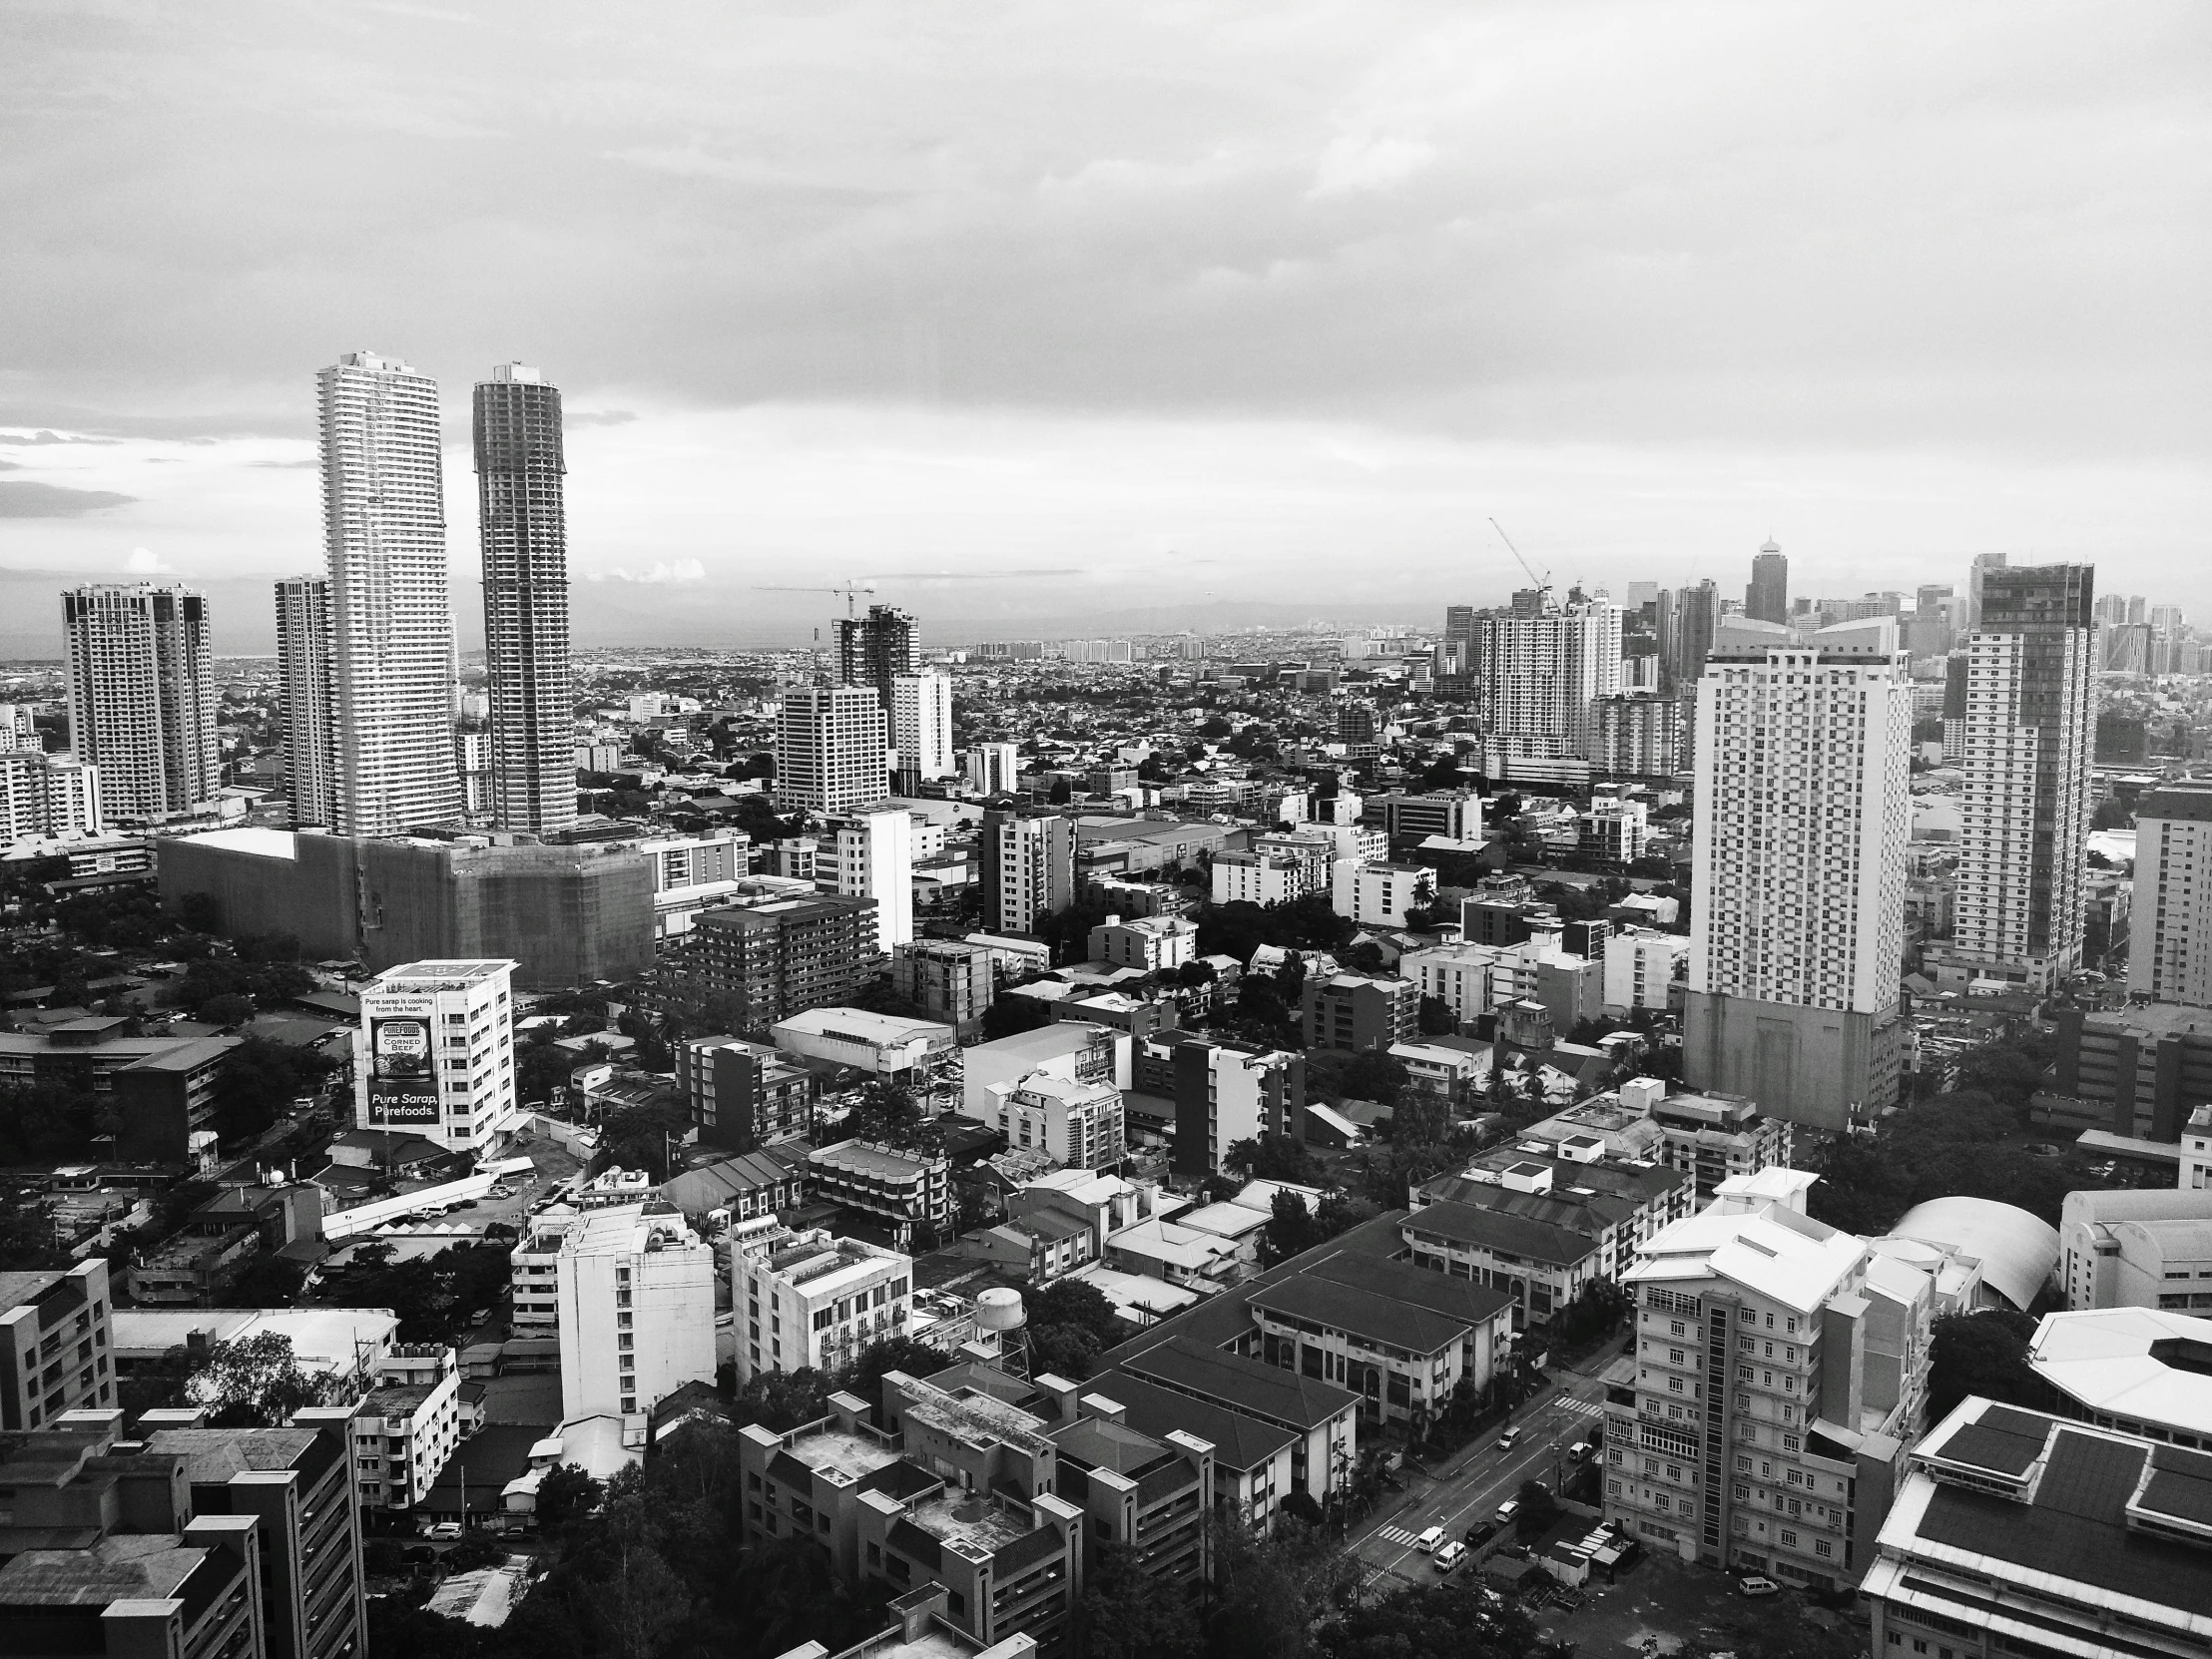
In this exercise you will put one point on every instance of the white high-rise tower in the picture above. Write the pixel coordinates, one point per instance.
(1803, 818)
(383, 517)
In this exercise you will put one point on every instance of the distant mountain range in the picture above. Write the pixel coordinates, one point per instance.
(616, 614)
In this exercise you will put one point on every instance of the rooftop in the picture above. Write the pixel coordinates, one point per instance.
(832, 1450)
(433, 973)
(2141, 1363)
(1775, 1252)
(1540, 1241)
(972, 1418)
(1250, 1385)
(976, 1524)
(860, 1025)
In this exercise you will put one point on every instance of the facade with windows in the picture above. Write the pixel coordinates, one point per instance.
(438, 1041)
(636, 1310)
(815, 1302)
(57, 1345)
(1076, 1125)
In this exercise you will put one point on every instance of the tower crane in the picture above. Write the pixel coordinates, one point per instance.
(851, 590)
(1543, 581)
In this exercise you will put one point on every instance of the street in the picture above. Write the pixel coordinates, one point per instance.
(1478, 1478)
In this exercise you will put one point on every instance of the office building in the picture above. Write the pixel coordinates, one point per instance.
(1078, 1125)
(1379, 894)
(407, 1425)
(875, 861)
(693, 872)
(391, 623)
(2136, 1071)
(1638, 735)
(1351, 1012)
(1151, 944)
(2134, 1370)
(945, 979)
(992, 769)
(1537, 675)
(1687, 620)
(46, 795)
(1259, 878)
(2170, 934)
(772, 959)
(1455, 814)
(742, 1094)
(1803, 818)
(306, 697)
(1456, 655)
(636, 1310)
(2144, 1247)
(1766, 598)
(1226, 1092)
(2025, 807)
(1028, 869)
(810, 1300)
(142, 701)
(523, 523)
(830, 749)
(1781, 1372)
(2018, 1532)
(436, 1054)
(921, 726)
(1615, 831)
(56, 1343)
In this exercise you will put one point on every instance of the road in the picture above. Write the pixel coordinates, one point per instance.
(1471, 1484)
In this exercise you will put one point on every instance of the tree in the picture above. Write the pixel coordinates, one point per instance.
(1272, 1156)
(256, 1383)
(1981, 1354)
(1125, 1614)
(782, 1400)
(1453, 1618)
(1437, 1018)
(1540, 1508)
(258, 1080)
(903, 1354)
(477, 1549)
(565, 1496)
(1291, 1230)
(1009, 1017)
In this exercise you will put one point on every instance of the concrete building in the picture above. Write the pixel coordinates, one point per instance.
(48, 796)
(991, 769)
(769, 960)
(566, 915)
(1351, 1012)
(742, 1095)
(921, 726)
(1803, 818)
(407, 1426)
(907, 1191)
(2146, 1248)
(166, 1098)
(1028, 869)
(817, 1302)
(2170, 937)
(830, 749)
(391, 621)
(878, 649)
(2026, 737)
(1380, 895)
(1766, 598)
(1638, 734)
(2137, 1071)
(1539, 669)
(637, 1310)
(691, 874)
(1152, 944)
(142, 701)
(1455, 814)
(1642, 967)
(56, 1345)
(2014, 1530)
(1258, 878)
(1714, 1139)
(875, 861)
(1078, 1125)
(1616, 830)
(436, 1053)
(1781, 1372)
(1226, 1092)
(306, 697)
(910, 1053)
(1074, 1049)
(2139, 1370)
(1322, 1417)
(946, 979)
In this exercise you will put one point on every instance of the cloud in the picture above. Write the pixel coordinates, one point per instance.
(307, 461)
(44, 437)
(680, 570)
(144, 561)
(597, 417)
(34, 501)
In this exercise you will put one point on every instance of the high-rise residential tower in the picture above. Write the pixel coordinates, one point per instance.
(1540, 671)
(1768, 597)
(829, 748)
(306, 697)
(2027, 736)
(519, 466)
(2169, 955)
(1803, 819)
(142, 696)
(922, 724)
(383, 518)
(875, 648)
(1028, 869)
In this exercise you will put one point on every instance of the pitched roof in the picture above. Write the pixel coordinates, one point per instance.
(1249, 1386)
(1500, 1230)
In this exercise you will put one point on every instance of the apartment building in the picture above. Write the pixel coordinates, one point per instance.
(1259, 878)
(141, 702)
(1381, 894)
(1715, 1138)
(769, 960)
(2015, 1531)
(742, 1094)
(812, 1301)
(1540, 668)
(1643, 967)
(437, 1041)
(637, 1310)
(1616, 830)
(1225, 1092)
(1638, 734)
(49, 795)
(1151, 944)
(2137, 1071)
(1781, 1372)
(1078, 1125)
(830, 749)
(946, 981)
(1027, 869)
(407, 1426)
(534, 1273)
(1354, 1012)
(906, 1189)
(1618, 1203)
(1075, 1049)
(2171, 941)
(56, 1343)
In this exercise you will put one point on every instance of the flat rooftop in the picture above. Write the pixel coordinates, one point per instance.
(977, 1525)
(467, 970)
(835, 1452)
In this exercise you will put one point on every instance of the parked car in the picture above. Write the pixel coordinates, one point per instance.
(500, 1192)
(1507, 1511)
(1428, 1541)
(1757, 1586)
(1506, 1439)
(1481, 1533)
(1581, 1452)
(442, 1531)
(1449, 1556)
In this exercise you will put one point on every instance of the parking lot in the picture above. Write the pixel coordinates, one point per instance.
(1662, 1606)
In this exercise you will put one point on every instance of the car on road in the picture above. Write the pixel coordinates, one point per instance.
(442, 1531)
(1449, 1556)
(1580, 1452)
(1507, 1511)
(500, 1192)
(1428, 1541)
(1481, 1533)
(1757, 1586)
(1506, 1439)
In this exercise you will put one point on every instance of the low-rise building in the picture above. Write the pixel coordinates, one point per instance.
(2142, 1248)
(1224, 1092)
(1153, 944)
(904, 1190)
(1258, 878)
(1322, 1417)
(436, 1049)
(817, 1302)
(407, 1425)
(1642, 967)
(742, 1094)
(1075, 1049)
(747, 1186)
(1076, 1125)
(1381, 894)
(1712, 1137)
(1356, 1012)
(770, 958)
(2136, 1071)
(1454, 1067)
(909, 1053)
(2015, 1531)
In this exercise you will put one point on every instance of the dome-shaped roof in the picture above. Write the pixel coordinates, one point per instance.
(2016, 1251)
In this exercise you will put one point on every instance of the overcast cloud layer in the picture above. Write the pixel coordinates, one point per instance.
(1277, 300)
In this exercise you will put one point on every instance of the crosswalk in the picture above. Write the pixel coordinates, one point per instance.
(1581, 1408)
(1396, 1535)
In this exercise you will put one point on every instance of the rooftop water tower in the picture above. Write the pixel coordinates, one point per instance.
(1002, 1321)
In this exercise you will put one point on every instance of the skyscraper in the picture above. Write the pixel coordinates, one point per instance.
(1538, 674)
(1803, 818)
(922, 724)
(875, 648)
(1768, 597)
(1458, 652)
(1970, 616)
(829, 748)
(2169, 955)
(383, 517)
(306, 698)
(1686, 634)
(519, 466)
(142, 696)
(2028, 737)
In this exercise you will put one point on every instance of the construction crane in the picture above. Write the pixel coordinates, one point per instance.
(851, 590)
(1543, 581)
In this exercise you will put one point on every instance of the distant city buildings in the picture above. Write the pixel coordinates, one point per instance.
(142, 702)
(1766, 598)
(1537, 672)
(306, 697)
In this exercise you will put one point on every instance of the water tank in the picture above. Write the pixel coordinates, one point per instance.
(999, 1308)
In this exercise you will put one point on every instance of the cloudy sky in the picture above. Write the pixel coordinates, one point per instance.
(1077, 306)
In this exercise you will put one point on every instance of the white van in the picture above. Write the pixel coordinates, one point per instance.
(1427, 1543)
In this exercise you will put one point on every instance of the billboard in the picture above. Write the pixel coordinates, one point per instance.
(402, 1083)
